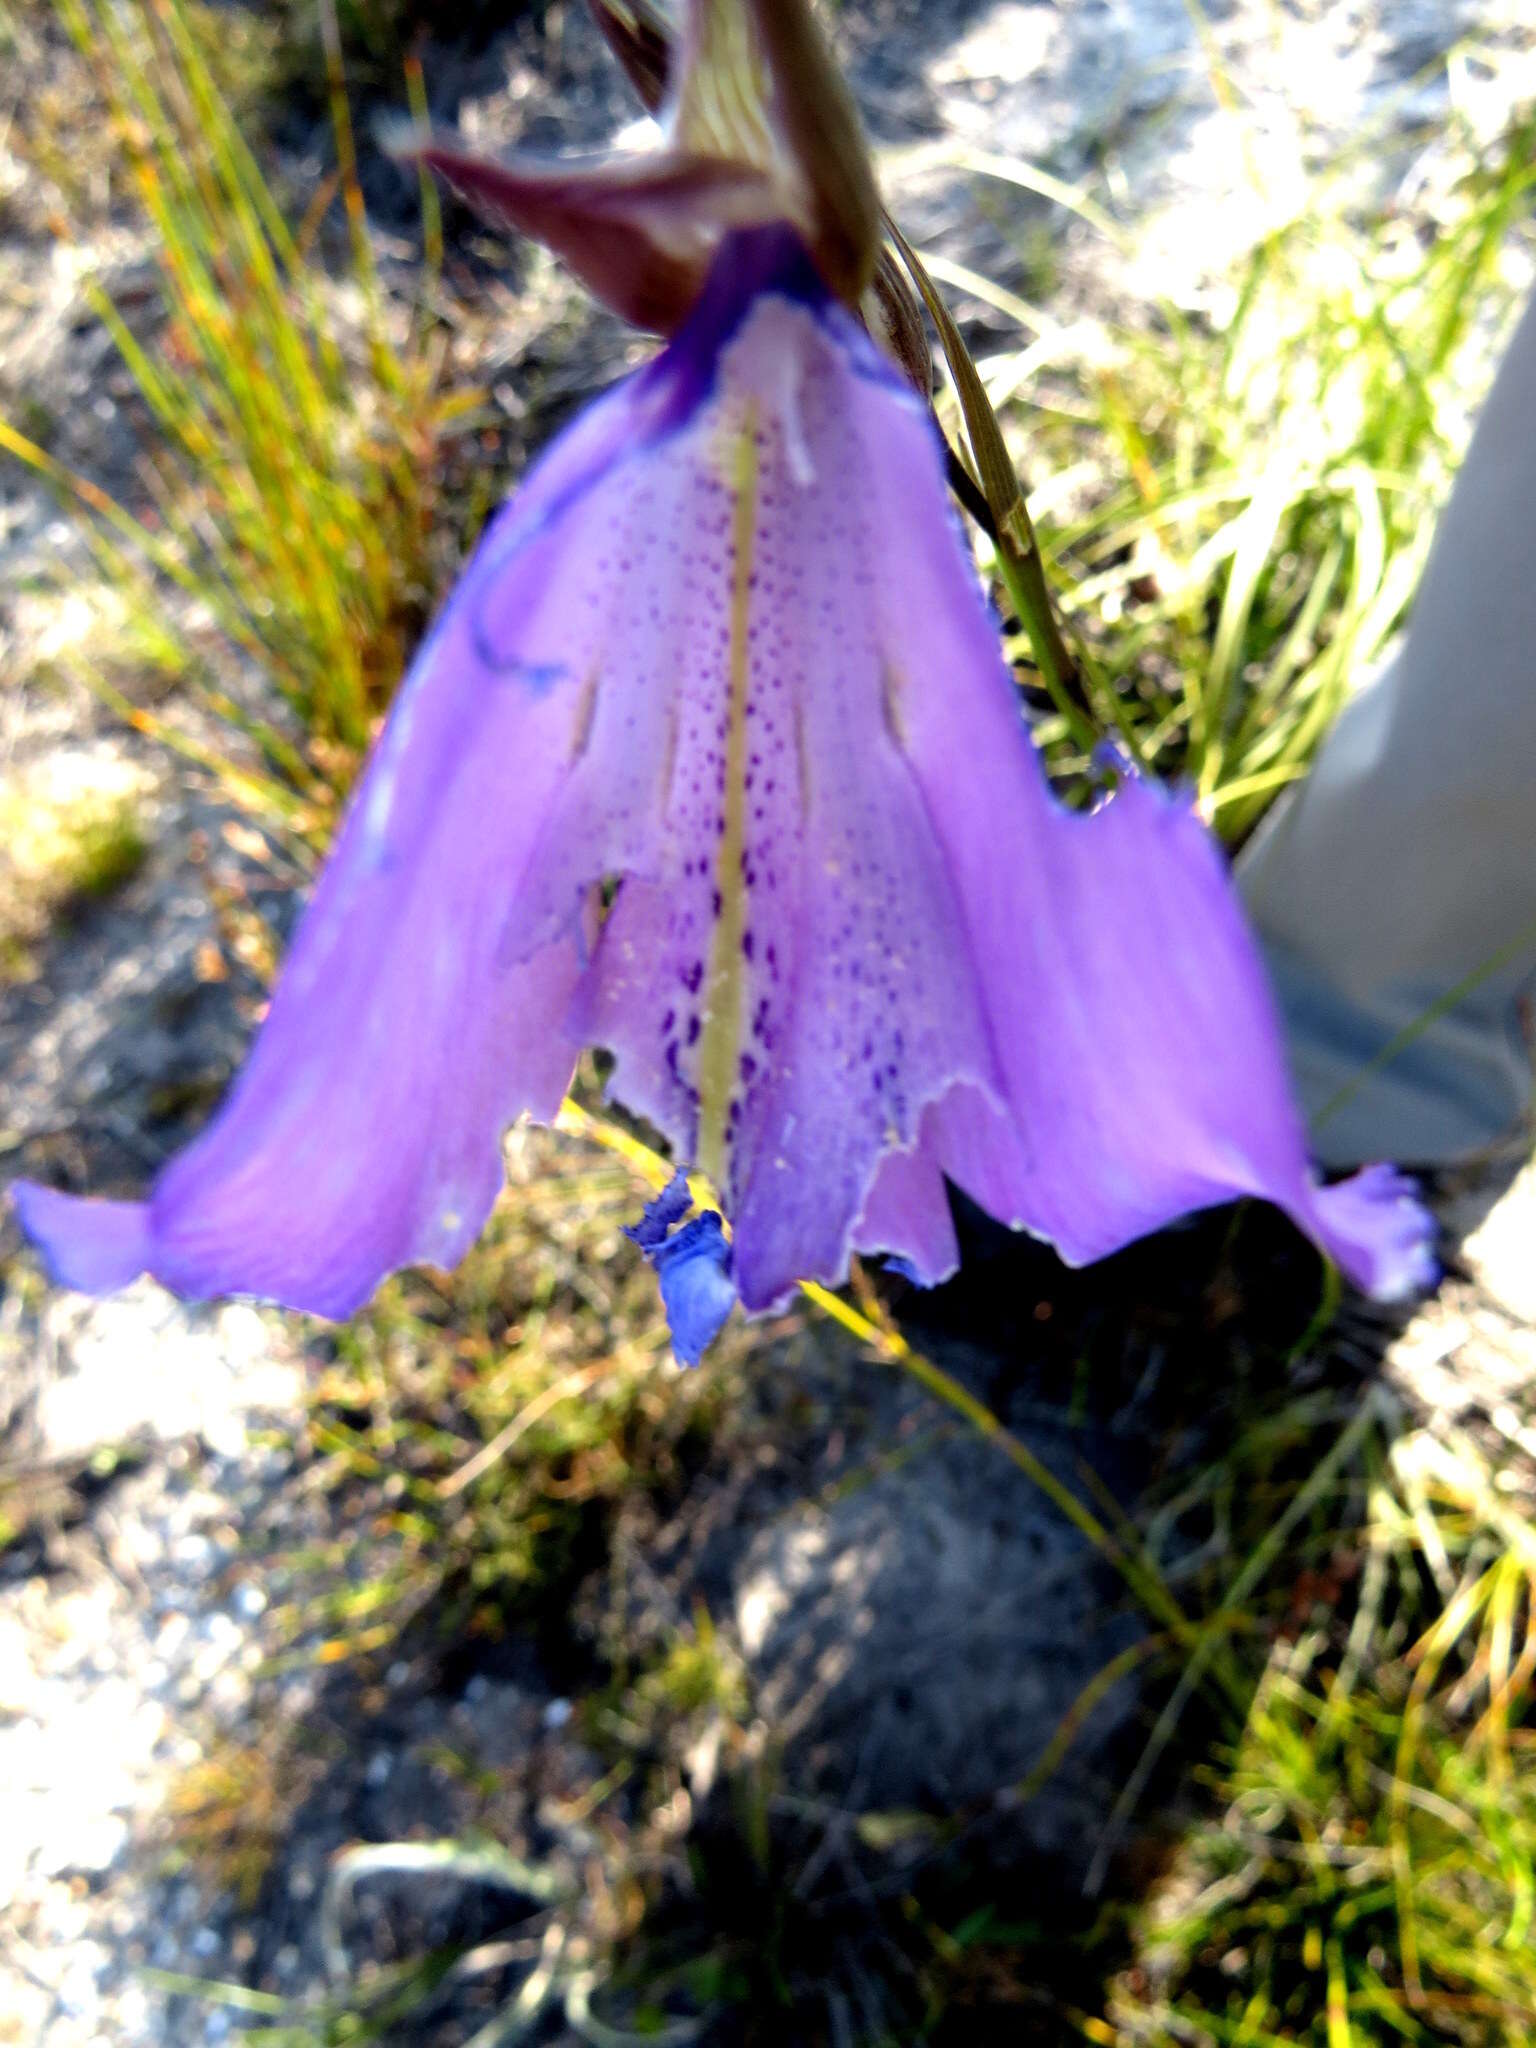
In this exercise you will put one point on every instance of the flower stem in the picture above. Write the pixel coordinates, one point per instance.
(1010, 526)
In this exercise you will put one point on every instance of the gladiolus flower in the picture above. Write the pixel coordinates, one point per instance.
(713, 760)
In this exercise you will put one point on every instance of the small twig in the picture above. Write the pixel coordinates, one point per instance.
(422, 1859)
(515, 2021)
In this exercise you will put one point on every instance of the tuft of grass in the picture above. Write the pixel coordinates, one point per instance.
(226, 1815)
(1235, 509)
(691, 1689)
(697, 1674)
(291, 491)
(1365, 1872)
(108, 852)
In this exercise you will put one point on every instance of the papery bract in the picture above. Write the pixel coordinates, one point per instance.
(725, 650)
(758, 129)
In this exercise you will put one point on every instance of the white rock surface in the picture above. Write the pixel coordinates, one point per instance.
(142, 1366)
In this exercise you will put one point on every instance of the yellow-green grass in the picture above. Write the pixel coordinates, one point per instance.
(1364, 1870)
(284, 541)
(1235, 508)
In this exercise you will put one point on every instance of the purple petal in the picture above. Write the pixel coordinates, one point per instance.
(1142, 1068)
(697, 1291)
(95, 1247)
(907, 1217)
(1376, 1229)
(364, 1133)
(406, 1032)
(403, 1037)
(784, 977)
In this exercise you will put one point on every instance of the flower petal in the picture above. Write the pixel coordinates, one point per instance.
(95, 1247)
(785, 982)
(658, 1217)
(405, 1033)
(1143, 1072)
(368, 1136)
(906, 1216)
(1375, 1225)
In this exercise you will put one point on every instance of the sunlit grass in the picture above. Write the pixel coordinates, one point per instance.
(1365, 1871)
(1235, 508)
(227, 1814)
(290, 492)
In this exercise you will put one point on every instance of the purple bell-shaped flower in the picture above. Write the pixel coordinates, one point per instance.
(713, 760)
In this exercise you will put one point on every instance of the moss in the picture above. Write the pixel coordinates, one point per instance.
(106, 854)
(72, 831)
